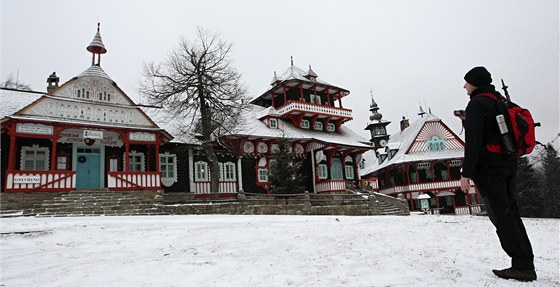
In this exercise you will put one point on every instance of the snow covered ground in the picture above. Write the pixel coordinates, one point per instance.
(416, 250)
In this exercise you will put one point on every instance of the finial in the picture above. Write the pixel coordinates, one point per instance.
(292, 60)
(98, 25)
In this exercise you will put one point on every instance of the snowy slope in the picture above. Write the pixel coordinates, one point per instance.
(417, 250)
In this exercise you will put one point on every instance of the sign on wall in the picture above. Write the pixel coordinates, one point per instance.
(35, 129)
(144, 137)
(106, 138)
(93, 134)
(24, 179)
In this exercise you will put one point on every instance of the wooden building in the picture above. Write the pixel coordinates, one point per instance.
(424, 157)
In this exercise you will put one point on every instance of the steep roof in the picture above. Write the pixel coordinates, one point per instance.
(252, 126)
(412, 145)
(295, 75)
(15, 100)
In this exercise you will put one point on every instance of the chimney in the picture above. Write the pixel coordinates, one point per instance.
(404, 123)
(52, 80)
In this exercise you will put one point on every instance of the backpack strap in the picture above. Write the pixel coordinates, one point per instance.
(491, 96)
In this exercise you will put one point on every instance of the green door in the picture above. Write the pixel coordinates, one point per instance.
(88, 165)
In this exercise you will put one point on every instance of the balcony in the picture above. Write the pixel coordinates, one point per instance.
(309, 109)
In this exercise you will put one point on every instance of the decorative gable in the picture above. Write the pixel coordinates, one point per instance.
(435, 136)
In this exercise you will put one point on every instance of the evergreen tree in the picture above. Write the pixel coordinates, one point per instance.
(285, 172)
(530, 195)
(550, 171)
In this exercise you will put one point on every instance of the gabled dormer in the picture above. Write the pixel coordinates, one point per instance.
(306, 100)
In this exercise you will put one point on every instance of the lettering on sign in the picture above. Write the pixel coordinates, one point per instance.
(77, 136)
(34, 129)
(93, 134)
(144, 137)
(20, 179)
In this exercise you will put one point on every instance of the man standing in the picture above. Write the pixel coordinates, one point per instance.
(494, 175)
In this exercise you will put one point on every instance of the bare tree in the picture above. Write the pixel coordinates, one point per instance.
(13, 83)
(198, 85)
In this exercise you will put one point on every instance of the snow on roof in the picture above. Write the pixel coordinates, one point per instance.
(270, 111)
(404, 140)
(295, 73)
(251, 125)
(15, 100)
(95, 71)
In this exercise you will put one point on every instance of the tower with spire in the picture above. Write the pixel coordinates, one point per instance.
(96, 47)
(377, 126)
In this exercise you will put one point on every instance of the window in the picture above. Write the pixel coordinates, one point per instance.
(201, 172)
(135, 161)
(436, 144)
(315, 99)
(440, 171)
(168, 165)
(336, 169)
(263, 174)
(227, 171)
(304, 124)
(113, 164)
(323, 171)
(331, 127)
(105, 96)
(168, 168)
(349, 170)
(424, 172)
(34, 158)
(318, 126)
(273, 124)
(62, 162)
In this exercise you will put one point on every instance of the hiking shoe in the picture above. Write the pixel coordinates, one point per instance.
(517, 274)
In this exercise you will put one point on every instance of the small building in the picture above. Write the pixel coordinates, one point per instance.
(84, 134)
(425, 157)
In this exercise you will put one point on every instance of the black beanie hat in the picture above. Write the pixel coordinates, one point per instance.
(478, 76)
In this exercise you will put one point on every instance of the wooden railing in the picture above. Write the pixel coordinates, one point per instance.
(203, 187)
(119, 180)
(314, 108)
(335, 185)
(40, 180)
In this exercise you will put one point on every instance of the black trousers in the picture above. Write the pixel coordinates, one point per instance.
(497, 188)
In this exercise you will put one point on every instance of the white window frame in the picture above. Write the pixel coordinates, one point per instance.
(132, 161)
(34, 148)
(318, 126)
(201, 171)
(165, 167)
(61, 162)
(262, 174)
(273, 123)
(323, 171)
(331, 127)
(336, 169)
(349, 171)
(227, 171)
(304, 124)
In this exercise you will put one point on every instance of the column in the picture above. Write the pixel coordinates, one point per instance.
(12, 151)
(157, 153)
(239, 174)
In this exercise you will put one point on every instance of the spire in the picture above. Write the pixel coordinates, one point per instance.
(96, 47)
(421, 113)
(311, 75)
(373, 107)
(274, 79)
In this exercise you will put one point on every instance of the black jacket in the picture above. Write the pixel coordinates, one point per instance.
(481, 129)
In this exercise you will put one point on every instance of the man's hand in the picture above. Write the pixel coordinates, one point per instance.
(465, 184)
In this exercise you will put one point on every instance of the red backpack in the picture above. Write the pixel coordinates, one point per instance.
(519, 137)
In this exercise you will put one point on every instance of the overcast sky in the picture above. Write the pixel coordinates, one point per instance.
(408, 52)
